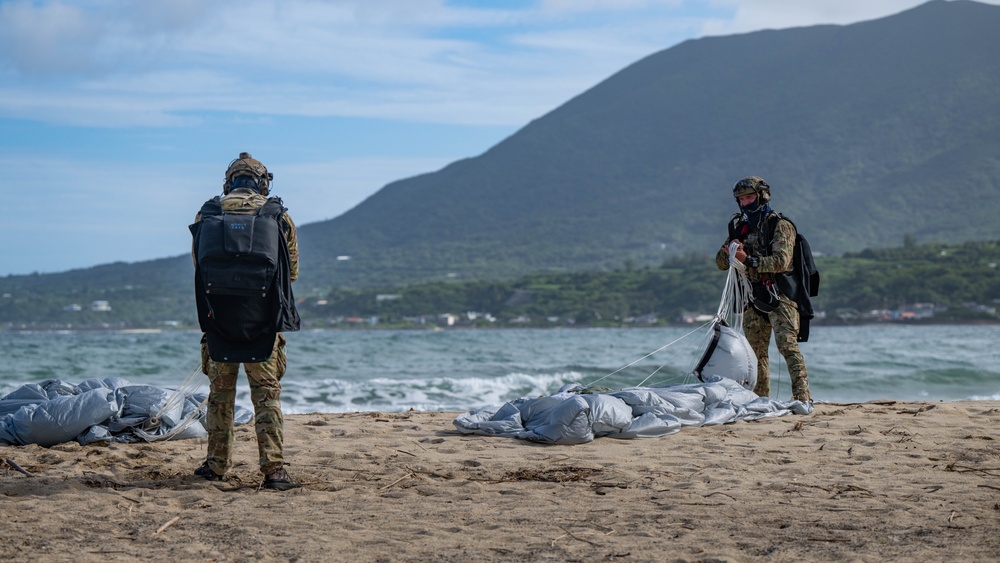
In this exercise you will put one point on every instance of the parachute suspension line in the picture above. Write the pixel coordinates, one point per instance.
(777, 378)
(179, 395)
(660, 349)
(643, 382)
(736, 294)
(684, 377)
(735, 300)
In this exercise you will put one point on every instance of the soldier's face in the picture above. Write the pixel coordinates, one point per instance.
(748, 199)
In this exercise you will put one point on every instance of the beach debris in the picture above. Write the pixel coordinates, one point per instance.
(397, 481)
(917, 411)
(574, 536)
(553, 475)
(167, 524)
(13, 465)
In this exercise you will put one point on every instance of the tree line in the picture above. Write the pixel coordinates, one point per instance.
(965, 278)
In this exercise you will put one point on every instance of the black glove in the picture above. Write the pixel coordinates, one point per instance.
(751, 261)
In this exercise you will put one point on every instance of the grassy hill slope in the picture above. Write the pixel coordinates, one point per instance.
(866, 132)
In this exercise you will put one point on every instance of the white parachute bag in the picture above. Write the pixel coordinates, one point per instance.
(727, 353)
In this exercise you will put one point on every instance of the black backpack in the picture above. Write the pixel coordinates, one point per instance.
(238, 253)
(803, 282)
(242, 283)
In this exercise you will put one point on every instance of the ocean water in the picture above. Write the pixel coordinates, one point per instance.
(459, 370)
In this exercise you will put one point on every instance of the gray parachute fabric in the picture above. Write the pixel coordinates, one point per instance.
(727, 371)
(100, 410)
(573, 417)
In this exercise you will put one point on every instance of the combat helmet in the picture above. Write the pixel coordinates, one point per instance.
(752, 185)
(245, 166)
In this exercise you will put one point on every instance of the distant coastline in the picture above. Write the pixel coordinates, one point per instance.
(506, 326)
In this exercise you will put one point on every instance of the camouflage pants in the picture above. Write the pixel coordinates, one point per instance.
(784, 321)
(265, 393)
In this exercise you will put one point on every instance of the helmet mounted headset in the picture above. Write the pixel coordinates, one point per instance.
(249, 173)
(752, 185)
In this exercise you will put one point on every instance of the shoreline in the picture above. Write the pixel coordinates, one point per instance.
(882, 480)
(814, 324)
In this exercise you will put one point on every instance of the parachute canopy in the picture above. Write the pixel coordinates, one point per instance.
(101, 410)
(572, 416)
(727, 370)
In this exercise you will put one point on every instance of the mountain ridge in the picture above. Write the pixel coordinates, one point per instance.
(867, 133)
(610, 167)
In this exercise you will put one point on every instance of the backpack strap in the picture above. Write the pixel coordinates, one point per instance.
(275, 209)
(772, 225)
(734, 226)
(212, 207)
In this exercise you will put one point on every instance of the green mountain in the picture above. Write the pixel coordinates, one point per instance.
(868, 134)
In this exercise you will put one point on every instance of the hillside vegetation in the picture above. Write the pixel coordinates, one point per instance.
(964, 278)
(868, 134)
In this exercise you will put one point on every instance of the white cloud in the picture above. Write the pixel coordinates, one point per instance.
(104, 63)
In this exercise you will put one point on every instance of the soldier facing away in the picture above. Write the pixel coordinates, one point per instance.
(246, 256)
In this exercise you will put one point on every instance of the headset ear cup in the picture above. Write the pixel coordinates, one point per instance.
(265, 182)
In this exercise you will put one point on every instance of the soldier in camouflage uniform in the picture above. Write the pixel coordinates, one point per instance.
(766, 257)
(246, 188)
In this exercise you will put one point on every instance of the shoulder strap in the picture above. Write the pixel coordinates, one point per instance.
(772, 224)
(212, 207)
(272, 208)
(275, 209)
(734, 224)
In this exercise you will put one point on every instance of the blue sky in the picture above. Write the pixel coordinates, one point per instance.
(119, 117)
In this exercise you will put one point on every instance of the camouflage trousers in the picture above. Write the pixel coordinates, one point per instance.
(265, 393)
(784, 321)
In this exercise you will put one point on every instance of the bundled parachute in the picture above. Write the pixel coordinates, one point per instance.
(728, 355)
(726, 369)
(727, 352)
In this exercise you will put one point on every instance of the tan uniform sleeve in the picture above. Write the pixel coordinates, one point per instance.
(291, 237)
(782, 250)
(722, 258)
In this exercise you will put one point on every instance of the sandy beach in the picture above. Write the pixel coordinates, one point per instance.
(878, 481)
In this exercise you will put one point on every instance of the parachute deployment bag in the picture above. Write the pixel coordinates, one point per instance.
(238, 253)
(238, 258)
(728, 354)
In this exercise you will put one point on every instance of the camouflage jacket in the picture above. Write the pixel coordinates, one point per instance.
(775, 255)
